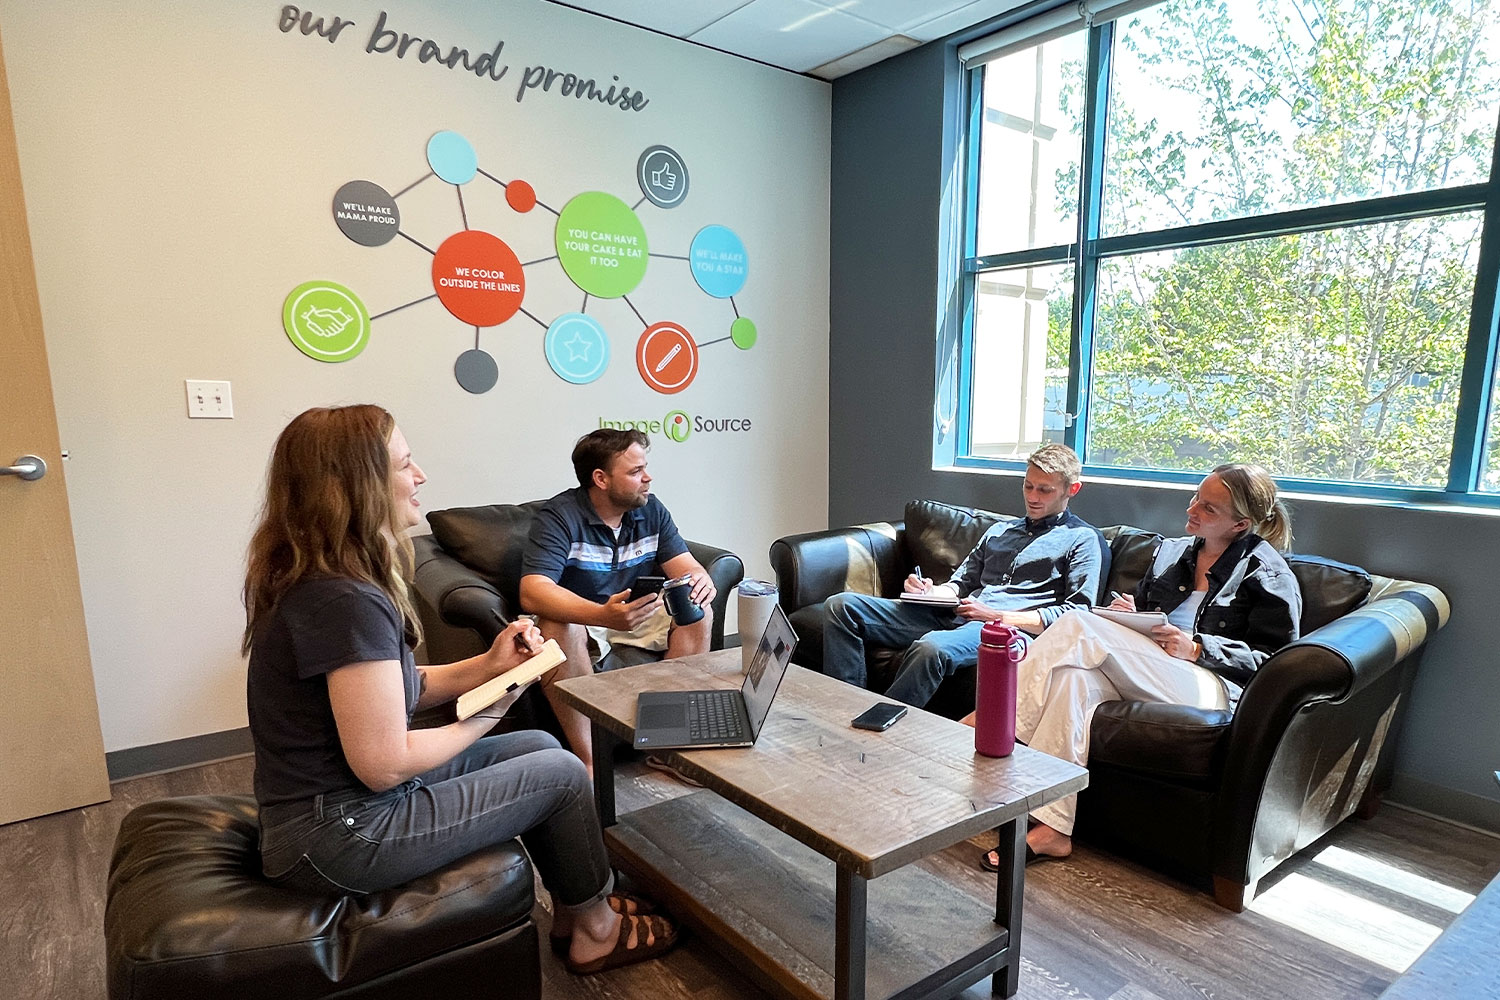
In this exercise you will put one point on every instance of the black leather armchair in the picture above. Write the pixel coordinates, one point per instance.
(469, 568)
(188, 916)
(1215, 796)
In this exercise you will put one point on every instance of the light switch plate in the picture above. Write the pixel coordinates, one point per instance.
(209, 399)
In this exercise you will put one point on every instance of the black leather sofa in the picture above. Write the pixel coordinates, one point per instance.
(469, 568)
(189, 916)
(1212, 796)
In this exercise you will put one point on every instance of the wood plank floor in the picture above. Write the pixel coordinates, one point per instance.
(1340, 921)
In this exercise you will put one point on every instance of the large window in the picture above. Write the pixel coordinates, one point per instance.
(1222, 230)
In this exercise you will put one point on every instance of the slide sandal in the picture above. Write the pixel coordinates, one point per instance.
(621, 901)
(652, 933)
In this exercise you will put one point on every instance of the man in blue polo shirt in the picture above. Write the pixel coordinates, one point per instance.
(587, 546)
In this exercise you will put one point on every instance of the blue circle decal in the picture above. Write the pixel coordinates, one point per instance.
(576, 348)
(452, 158)
(718, 261)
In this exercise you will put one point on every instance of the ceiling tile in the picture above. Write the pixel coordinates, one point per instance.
(795, 34)
(674, 17)
(963, 17)
(895, 14)
(867, 56)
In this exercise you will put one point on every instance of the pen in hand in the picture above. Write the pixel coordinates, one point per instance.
(521, 643)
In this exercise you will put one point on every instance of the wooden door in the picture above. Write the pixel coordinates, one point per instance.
(51, 750)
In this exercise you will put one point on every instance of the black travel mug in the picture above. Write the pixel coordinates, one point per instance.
(677, 595)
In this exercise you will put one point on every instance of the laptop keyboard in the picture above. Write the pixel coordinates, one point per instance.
(711, 715)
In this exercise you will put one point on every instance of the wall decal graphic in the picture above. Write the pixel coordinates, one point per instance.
(601, 246)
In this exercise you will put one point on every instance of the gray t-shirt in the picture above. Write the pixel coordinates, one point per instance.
(319, 625)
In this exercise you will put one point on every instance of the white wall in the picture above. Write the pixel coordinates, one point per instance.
(179, 160)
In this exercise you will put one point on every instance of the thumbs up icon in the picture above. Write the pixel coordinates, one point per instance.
(663, 177)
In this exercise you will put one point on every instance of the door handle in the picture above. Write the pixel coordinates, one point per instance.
(27, 467)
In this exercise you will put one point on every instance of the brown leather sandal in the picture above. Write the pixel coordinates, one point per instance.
(621, 901)
(652, 933)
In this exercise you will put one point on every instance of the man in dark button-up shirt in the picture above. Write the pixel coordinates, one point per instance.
(1024, 572)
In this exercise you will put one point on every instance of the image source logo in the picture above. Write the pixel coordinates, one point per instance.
(677, 426)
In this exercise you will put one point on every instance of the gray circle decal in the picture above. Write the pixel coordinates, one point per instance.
(366, 213)
(663, 176)
(476, 371)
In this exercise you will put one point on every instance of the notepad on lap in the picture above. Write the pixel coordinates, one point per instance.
(497, 687)
(1141, 621)
(943, 600)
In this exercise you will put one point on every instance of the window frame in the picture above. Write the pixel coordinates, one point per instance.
(1467, 456)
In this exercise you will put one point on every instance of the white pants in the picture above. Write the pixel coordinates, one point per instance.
(1080, 662)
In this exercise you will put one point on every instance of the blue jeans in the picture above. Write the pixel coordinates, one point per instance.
(937, 643)
(519, 784)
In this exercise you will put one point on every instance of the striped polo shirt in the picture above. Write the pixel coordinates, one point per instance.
(572, 547)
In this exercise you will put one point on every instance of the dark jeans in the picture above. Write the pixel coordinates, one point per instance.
(937, 644)
(520, 784)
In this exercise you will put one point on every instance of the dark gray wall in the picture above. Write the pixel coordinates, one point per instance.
(893, 175)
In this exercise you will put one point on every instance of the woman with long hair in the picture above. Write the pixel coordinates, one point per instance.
(352, 799)
(1230, 601)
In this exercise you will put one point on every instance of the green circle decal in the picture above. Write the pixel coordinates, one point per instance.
(742, 332)
(326, 321)
(601, 245)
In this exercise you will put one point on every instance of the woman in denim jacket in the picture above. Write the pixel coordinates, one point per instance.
(1230, 600)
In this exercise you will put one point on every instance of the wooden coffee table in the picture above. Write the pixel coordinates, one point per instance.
(749, 860)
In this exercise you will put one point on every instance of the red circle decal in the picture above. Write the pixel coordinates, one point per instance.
(666, 357)
(520, 196)
(478, 278)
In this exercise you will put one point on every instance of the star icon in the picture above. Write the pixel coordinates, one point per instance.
(578, 348)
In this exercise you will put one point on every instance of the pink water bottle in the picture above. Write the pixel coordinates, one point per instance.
(1001, 649)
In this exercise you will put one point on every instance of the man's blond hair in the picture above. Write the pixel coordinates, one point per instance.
(1057, 460)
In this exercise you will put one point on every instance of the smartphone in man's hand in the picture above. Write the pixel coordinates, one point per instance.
(644, 585)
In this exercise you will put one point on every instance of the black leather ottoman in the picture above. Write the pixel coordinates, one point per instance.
(189, 915)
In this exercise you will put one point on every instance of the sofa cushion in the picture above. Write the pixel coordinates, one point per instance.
(807, 623)
(1330, 589)
(1177, 743)
(1131, 551)
(188, 913)
(939, 535)
(489, 540)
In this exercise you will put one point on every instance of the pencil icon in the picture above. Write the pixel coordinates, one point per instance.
(666, 360)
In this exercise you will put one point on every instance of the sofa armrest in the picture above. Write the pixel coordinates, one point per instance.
(1332, 664)
(864, 559)
(1353, 664)
(726, 570)
(460, 597)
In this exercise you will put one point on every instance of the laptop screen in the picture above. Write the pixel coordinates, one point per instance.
(767, 667)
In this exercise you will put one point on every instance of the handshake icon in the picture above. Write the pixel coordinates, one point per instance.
(326, 322)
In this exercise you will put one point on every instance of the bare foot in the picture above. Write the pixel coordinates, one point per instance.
(1044, 840)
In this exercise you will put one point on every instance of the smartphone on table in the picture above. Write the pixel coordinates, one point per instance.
(879, 717)
(644, 585)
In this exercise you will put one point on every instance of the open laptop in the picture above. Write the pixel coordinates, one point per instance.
(675, 720)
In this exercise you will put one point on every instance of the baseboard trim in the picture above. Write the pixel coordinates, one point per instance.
(1477, 812)
(1441, 819)
(173, 755)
